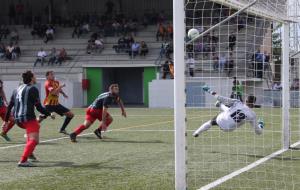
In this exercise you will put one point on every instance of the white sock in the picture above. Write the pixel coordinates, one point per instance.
(203, 128)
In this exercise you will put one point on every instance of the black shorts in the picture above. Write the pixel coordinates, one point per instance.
(59, 109)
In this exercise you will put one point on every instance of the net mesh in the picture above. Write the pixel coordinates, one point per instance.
(246, 49)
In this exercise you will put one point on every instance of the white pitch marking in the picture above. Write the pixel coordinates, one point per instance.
(249, 167)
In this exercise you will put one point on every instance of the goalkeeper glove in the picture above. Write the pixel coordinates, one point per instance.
(261, 123)
(207, 89)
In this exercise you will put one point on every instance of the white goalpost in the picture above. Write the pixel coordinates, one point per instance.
(257, 63)
(179, 96)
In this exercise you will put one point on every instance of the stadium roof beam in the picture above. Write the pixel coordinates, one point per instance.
(258, 9)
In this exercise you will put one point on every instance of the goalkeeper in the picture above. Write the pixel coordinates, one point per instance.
(234, 114)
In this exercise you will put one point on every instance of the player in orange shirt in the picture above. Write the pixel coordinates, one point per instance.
(51, 102)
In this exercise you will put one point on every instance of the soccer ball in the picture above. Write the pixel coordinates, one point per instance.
(193, 33)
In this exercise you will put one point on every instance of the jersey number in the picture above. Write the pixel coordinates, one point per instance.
(238, 116)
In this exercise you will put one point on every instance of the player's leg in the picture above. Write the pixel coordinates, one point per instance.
(89, 120)
(69, 116)
(205, 126)
(63, 111)
(32, 131)
(79, 130)
(8, 128)
(98, 131)
(10, 124)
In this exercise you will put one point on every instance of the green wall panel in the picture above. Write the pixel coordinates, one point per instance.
(95, 76)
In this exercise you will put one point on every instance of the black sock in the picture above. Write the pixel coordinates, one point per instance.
(66, 122)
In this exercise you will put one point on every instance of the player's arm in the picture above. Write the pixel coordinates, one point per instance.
(52, 90)
(63, 93)
(36, 100)
(104, 116)
(57, 90)
(120, 102)
(222, 99)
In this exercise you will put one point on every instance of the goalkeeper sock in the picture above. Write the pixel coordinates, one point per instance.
(203, 128)
(79, 129)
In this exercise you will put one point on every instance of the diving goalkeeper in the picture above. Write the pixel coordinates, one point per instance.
(234, 114)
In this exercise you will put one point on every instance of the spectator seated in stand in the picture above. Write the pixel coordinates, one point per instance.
(10, 55)
(135, 48)
(166, 49)
(39, 30)
(76, 31)
(229, 65)
(116, 28)
(144, 49)
(4, 31)
(2, 51)
(276, 86)
(222, 62)
(89, 47)
(85, 28)
(49, 34)
(232, 41)
(122, 45)
(52, 57)
(165, 69)
(133, 26)
(16, 51)
(94, 45)
(169, 31)
(98, 45)
(62, 56)
(161, 32)
(14, 36)
(259, 59)
(295, 84)
(191, 65)
(215, 59)
(41, 57)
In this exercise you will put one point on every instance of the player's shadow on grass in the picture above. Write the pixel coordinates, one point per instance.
(76, 166)
(9, 161)
(131, 141)
(112, 140)
(23, 143)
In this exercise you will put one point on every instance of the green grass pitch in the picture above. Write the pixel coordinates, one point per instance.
(138, 153)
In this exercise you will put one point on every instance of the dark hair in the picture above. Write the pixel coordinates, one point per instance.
(1, 87)
(27, 77)
(113, 86)
(48, 73)
(251, 99)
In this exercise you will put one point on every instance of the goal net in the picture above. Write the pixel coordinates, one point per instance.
(248, 55)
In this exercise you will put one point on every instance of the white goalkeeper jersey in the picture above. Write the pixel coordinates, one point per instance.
(235, 115)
